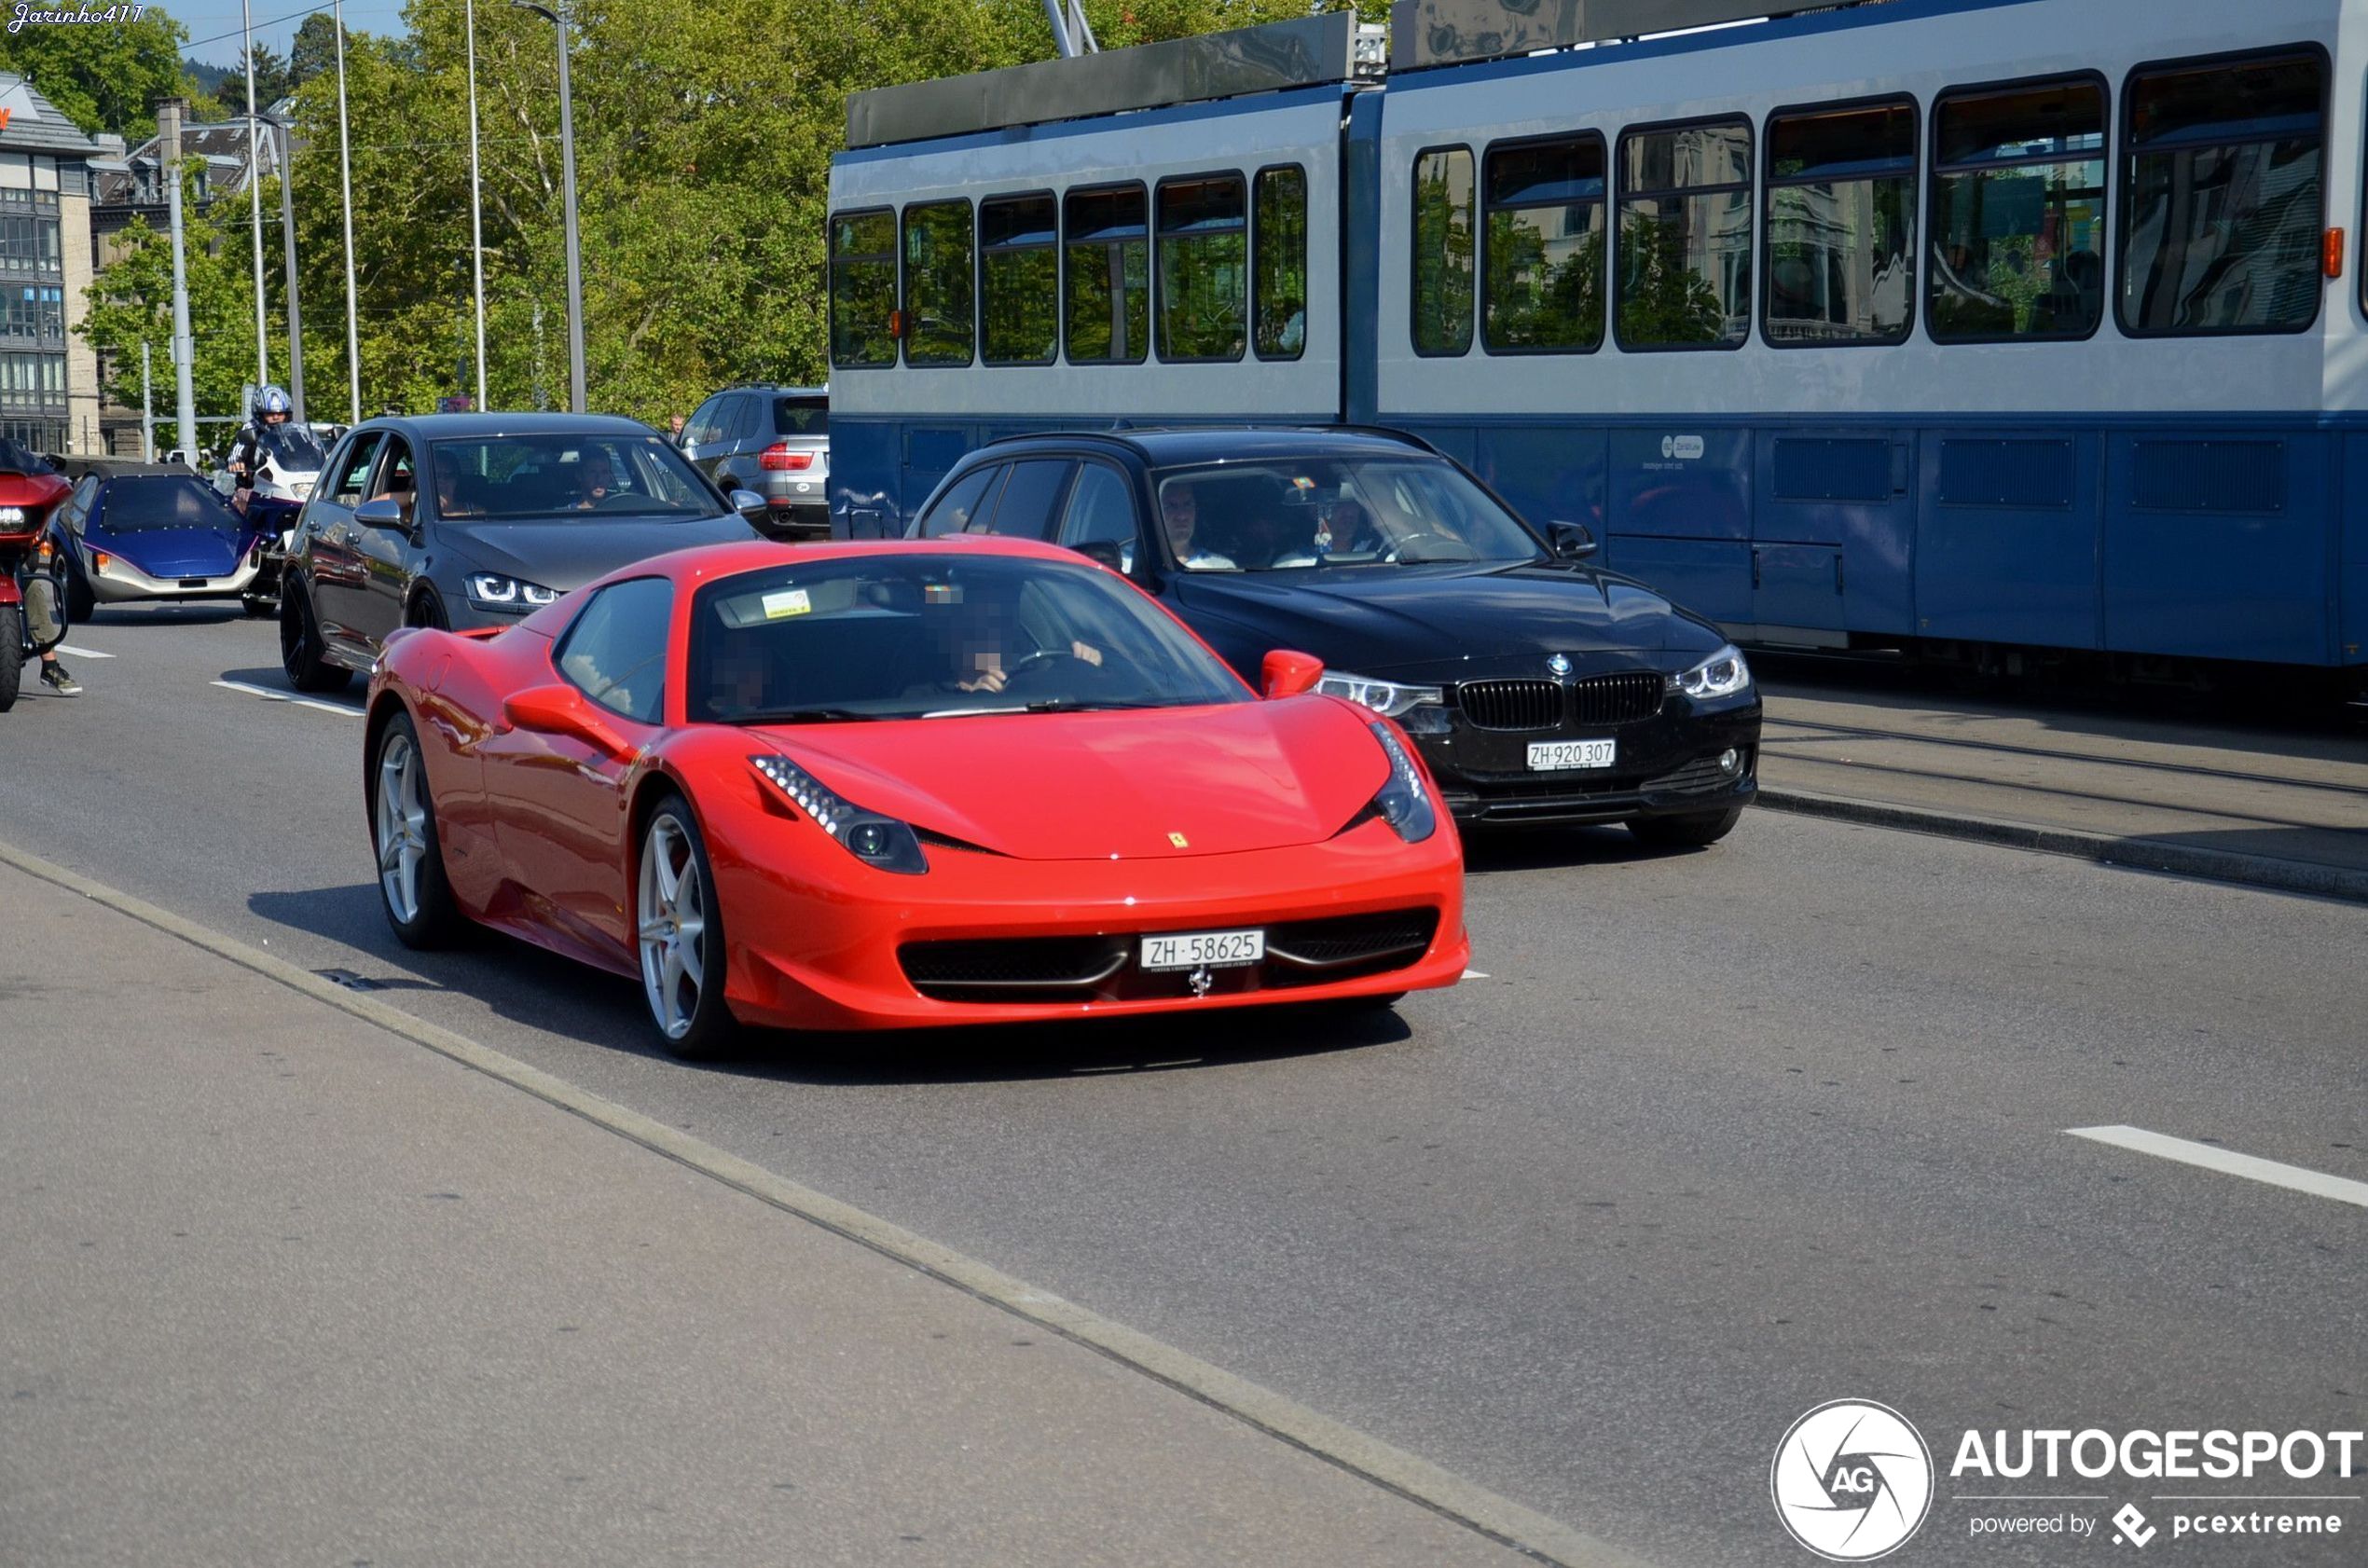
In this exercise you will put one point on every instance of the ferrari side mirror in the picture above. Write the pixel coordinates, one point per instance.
(1287, 674)
(561, 709)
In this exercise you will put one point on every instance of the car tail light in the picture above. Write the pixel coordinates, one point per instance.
(779, 459)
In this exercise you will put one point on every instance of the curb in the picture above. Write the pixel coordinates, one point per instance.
(1394, 1470)
(2136, 854)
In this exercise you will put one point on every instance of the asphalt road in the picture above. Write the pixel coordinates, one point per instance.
(1718, 1137)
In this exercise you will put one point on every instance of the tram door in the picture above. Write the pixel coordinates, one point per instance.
(1830, 536)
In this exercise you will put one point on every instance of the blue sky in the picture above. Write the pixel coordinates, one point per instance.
(275, 23)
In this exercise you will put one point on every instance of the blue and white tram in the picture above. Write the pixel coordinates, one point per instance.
(1962, 324)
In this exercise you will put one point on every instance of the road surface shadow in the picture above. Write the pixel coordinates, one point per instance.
(524, 985)
(1487, 852)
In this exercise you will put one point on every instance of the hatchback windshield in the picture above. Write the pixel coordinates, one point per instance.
(515, 477)
(919, 634)
(1275, 515)
(144, 504)
(291, 448)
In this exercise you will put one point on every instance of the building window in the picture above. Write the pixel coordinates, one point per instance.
(1686, 237)
(2220, 230)
(1278, 263)
(1203, 268)
(1442, 291)
(32, 381)
(1544, 290)
(1108, 238)
(33, 310)
(1019, 280)
(938, 283)
(2018, 212)
(863, 288)
(1841, 225)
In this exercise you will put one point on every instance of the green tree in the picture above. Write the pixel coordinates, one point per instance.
(102, 77)
(314, 51)
(132, 303)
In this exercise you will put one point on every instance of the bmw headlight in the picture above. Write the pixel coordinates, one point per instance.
(490, 590)
(1405, 802)
(870, 837)
(1721, 675)
(1386, 697)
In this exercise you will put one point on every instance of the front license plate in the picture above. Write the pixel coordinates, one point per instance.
(1214, 950)
(1551, 756)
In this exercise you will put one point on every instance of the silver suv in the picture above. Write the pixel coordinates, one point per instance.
(775, 441)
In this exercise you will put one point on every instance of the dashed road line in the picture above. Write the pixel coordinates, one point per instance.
(2229, 1162)
(270, 695)
(82, 653)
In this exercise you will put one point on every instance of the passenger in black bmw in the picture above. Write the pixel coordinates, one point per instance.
(1540, 687)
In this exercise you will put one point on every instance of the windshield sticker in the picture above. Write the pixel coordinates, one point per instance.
(786, 602)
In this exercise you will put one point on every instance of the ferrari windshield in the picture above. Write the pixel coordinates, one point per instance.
(1278, 513)
(516, 477)
(916, 634)
(291, 448)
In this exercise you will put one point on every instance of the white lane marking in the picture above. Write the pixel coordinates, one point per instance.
(82, 653)
(1474, 974)
(270, 695)
(2228, 1162)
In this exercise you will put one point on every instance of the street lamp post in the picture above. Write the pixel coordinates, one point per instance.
(345, 182)
(255, 192)
(567, 174)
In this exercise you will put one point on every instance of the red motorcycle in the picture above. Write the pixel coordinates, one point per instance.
(29, 491)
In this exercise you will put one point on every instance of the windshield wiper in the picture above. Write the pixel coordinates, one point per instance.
(1083, 705)
(806, 716)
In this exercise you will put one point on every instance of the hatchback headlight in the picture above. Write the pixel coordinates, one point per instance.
(1721, 675)
(1405, 802)
(1386, 697)
(870, 837)
(493, 591)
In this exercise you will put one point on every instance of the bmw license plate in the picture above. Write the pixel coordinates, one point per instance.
(1214, 950)
(1553, 756)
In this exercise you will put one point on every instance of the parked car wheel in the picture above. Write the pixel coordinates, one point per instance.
(1687, 832)
(301, 649)
(680, 934)
(412, 887)
(81, 603)
(427, 610)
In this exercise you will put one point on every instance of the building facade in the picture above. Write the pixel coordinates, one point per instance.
(49, 377)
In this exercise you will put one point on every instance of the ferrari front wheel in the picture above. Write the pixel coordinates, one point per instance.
(679, 932)
(412, 887)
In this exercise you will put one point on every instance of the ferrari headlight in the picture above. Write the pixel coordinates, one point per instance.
(490, 590)
(1721, 675)
(1386, 697)
(870, 837)
(1405, 802)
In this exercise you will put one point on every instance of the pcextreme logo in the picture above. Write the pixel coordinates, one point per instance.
(1852, 1481)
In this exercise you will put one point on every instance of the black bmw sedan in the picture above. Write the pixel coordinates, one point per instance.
(1541, 688)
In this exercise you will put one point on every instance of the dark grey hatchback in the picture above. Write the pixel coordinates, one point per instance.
(471, 520)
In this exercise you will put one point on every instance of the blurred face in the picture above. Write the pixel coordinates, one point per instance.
(276, 417)
(595, 480)
(1181, 513)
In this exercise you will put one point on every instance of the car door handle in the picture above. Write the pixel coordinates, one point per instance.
(1754, 569)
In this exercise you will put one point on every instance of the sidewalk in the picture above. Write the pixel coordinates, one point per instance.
(277, 1286)
(2279, 809)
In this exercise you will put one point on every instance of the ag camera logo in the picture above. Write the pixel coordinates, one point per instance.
(1852, 1481)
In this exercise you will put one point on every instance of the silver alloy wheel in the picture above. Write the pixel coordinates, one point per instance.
(672, 921)
(401, 819)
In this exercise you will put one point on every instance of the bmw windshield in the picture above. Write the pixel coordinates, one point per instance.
(523, 477)
(1276, 515)
(924, 635)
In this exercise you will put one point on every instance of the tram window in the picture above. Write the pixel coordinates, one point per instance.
(1686, 237)
(1278, 263)
(1019, 280)
(1543, 291)
(1841, 227)
(2220, 230)
(1442, 270)
(938, 283)
(1109, 305)
(863, 288)
(1203, 268)
(2018, 212)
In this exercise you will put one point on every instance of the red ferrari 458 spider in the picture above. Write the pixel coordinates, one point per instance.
(888, 784)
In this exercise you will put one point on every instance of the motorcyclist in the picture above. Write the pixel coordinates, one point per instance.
(271, 408)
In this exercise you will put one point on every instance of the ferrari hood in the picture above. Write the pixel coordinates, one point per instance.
(1394, 620)
(1122, 785)
(564, 554)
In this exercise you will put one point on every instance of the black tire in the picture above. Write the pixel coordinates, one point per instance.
(255, 607)
(711, 1029)
(81, 603)
(427, 610)
(1687, 832)
(11, 655)
(301, 653)
(436, 921)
